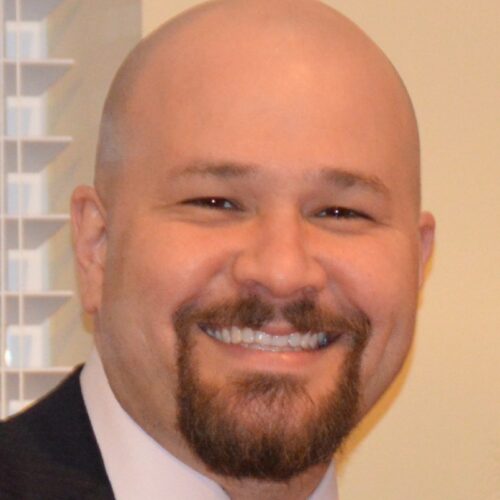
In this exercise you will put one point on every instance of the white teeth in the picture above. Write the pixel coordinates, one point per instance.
(304, 341)
(267, 340)
(226, 336)
(294, 339)
(235, 335)
(247, 335)
(313, 342)
(257, 339)
(279, 340)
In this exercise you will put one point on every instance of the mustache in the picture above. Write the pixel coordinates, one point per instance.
(304, 315)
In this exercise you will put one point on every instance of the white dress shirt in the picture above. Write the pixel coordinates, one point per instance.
(137, 466)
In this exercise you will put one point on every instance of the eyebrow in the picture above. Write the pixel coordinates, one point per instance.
(347, 179)
(337, 176)
(222, 170)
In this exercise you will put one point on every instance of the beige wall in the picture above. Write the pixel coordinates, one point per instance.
(88, 32)
(440, 437)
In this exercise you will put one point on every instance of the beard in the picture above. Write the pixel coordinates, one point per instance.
(266, 426)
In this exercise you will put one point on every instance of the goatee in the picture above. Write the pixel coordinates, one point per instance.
(261, 425)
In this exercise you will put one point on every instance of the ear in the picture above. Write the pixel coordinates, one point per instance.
(427, 227)
(88, 221)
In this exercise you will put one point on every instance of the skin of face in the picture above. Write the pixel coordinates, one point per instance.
(299, 115)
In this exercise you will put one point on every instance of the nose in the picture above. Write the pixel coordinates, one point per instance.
(278, 259)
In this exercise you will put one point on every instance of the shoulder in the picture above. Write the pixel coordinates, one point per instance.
(48, 424)
(50, 447)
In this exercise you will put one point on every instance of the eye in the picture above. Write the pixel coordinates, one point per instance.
(342, 213)
(212, 202)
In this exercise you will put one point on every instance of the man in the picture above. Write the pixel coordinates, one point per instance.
(251, 252)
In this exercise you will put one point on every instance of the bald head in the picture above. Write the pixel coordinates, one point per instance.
(254, 57)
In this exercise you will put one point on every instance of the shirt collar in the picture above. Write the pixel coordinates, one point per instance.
(130, 453)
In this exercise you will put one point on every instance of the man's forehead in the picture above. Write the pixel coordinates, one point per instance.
(205, 73)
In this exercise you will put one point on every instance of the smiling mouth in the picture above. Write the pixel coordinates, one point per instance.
(259, 340)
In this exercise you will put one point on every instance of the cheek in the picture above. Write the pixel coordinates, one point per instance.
(381, 278)
(184, 265)
(160, 268)
(377, 273)
(149, 275)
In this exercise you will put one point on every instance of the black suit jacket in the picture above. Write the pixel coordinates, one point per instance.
(50, 452)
